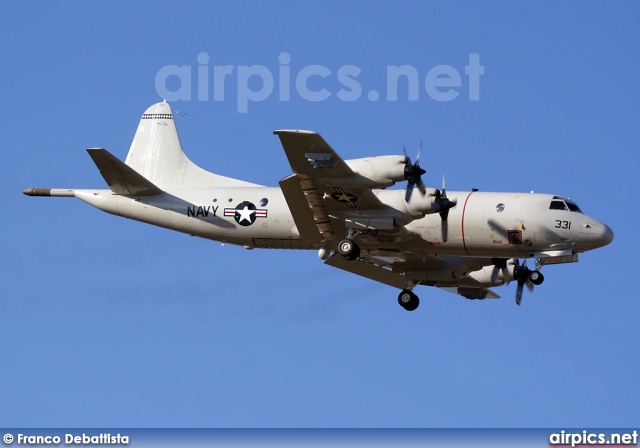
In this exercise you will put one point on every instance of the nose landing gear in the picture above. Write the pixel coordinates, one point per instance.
(536, 277)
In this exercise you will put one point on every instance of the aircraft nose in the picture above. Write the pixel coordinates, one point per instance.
(595, 234)
(607, 235)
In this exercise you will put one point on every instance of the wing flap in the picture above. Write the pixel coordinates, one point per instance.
(311, 220)
(121, 178)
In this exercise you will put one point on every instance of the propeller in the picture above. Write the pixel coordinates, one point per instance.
(522, 275)
(500, 264)
(444, 204)
(413, 173)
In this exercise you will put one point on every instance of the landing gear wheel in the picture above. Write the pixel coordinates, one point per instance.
(349, 249)
(408, 300)
(536, 277)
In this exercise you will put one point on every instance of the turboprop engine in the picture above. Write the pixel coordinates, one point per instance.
(419, 205)
(379, 171)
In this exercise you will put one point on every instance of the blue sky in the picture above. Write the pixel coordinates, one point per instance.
(110, 322)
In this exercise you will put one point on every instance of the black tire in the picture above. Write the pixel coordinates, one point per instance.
(408, 300)
(536, 277)
(349, 249)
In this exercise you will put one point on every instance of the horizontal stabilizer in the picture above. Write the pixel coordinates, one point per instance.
(121, 178)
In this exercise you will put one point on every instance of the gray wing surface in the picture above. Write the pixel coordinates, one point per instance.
(324, 202)
(402, 270)
(327, 183)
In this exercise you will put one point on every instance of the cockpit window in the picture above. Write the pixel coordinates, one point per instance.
(573, 206)
(557, 205)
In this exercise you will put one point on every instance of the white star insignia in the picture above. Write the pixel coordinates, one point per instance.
(245, 214)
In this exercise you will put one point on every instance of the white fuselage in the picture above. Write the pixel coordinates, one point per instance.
(510, 224)
(480, 225)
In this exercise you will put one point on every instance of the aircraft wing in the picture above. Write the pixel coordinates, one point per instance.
(447, 273)
(321, 193)
(309, 154)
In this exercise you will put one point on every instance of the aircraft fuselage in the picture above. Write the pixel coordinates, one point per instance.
(482, 224)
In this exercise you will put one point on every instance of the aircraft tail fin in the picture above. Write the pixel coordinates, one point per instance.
(121, 178)
(156, 154)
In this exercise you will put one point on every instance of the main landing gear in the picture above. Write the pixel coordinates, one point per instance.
(349, 249)
(408, 300)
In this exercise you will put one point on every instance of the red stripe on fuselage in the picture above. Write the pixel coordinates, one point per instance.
(464, 209)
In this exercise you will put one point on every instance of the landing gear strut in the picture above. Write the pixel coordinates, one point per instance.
(408, 300)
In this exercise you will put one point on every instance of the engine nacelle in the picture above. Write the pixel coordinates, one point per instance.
(423, 205)
(485, 275)
(418, 206)
(378, 171)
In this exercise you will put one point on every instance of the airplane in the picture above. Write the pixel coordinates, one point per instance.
(464, 242)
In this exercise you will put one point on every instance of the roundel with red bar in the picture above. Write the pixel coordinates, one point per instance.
(245, 213)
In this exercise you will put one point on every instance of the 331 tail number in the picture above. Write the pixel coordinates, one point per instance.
(563, 224)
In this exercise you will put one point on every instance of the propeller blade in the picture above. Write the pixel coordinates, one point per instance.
(523, 275)
(421, 187)
(494, 273)
(519, 292)
(529, 285)
(444, 190)
(408, 191)
(505, 275)
(445, 227)
(500, 264)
